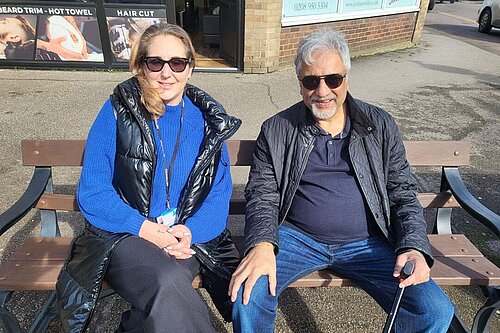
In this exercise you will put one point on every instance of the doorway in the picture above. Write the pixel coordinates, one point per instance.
(216, 29)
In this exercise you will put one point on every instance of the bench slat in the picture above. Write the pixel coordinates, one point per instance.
(43, 249)
(67, 202)
(240, 152)
(39, 275)
(57, 248)
(42, 275)
(52, 152)
(465, 271)
(453, 246)
(64, 202)
(437, 200)
(437, 153)
(29, 275)
(70, 152)
(36, 265)
(321, 278)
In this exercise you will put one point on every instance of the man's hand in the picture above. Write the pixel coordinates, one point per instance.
(259, 261)
(52, 45)
(421, 273)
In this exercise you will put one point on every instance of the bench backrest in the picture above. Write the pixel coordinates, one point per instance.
(53, 153)
(70, 152)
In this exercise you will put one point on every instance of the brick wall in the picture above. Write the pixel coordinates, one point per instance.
(262, 36)
(269, 47)
(365, 36)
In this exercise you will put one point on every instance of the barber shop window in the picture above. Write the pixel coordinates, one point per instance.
(142, 2)
(73, 1)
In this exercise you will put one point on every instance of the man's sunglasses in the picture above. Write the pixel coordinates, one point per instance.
(311, 82)
(177, 65)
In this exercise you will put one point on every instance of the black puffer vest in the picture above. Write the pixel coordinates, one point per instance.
(135, 159)
(80, 280)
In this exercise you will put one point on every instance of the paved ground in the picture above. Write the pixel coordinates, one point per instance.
(434, 94)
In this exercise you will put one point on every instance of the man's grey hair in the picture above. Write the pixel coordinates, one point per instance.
(322, 40)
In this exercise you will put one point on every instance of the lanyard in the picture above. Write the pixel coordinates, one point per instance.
(168, 171)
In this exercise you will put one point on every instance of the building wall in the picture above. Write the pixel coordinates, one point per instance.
(262, 36)
(365, 36)
(419, 25)
(269, 47)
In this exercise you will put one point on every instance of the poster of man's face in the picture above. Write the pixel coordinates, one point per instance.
(123, 31)
(17, 36)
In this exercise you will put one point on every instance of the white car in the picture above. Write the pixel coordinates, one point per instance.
(488, 15)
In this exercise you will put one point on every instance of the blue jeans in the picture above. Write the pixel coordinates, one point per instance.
(369, 263)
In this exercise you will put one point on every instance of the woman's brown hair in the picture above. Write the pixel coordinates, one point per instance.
(149, 97)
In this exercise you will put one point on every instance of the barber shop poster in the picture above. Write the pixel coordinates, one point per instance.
(17, 36)
(46, 33)
(125, 25)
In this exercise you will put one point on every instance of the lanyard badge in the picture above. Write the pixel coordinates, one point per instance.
(168, 217)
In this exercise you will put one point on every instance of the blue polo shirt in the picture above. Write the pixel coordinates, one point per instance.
(328, 205)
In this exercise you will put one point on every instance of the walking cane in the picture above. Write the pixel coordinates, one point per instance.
(406, 272)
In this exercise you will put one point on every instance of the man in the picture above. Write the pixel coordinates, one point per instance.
(330, 187)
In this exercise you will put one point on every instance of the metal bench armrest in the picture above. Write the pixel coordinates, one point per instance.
(28, 200)
(470, 204)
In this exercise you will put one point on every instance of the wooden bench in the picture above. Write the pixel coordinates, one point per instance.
(36, 264)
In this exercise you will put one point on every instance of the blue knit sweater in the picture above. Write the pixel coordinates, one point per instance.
(102, 206)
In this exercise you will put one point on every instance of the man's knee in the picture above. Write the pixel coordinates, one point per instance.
(260, 295)
(435, 306)
(260, 312)
(442, 309)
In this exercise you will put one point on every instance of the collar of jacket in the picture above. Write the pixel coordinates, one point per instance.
(128, 93)
(360, 122)
(217, 120)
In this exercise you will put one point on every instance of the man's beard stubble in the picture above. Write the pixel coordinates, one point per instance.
(318, 114)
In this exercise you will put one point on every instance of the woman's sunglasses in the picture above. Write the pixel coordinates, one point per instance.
(177, 65)
(311, 82)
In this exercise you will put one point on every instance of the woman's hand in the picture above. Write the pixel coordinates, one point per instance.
(181, 249)
(157, 234)
(175, 240)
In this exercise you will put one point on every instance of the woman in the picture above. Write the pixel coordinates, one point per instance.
(155, 189)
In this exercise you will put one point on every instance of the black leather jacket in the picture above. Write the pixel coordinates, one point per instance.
(379, 160)
(79, 282)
